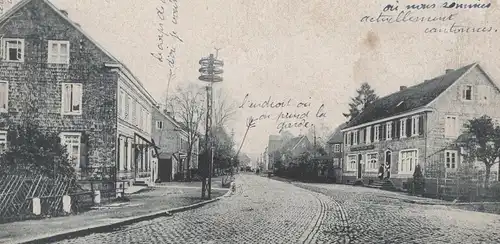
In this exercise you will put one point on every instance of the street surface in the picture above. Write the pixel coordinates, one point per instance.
(269, 211)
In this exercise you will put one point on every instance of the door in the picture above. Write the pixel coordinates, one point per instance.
(360, 158)
(388, 163)
(165, 170)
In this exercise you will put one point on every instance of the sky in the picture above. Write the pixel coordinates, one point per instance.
(315, 51)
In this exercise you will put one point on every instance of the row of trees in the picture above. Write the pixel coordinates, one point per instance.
(188, 106)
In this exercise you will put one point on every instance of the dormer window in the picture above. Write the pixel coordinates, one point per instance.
(13, 50)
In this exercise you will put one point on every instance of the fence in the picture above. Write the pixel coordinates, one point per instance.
(467, 190)
(21, 195)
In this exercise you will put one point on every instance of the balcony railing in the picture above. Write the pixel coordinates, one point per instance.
(98, 174)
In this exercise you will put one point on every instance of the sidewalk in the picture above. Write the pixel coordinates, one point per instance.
(153, 200)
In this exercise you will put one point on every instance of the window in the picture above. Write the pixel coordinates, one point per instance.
(134, 112)
(72, 143)
(451, 159)
(368, 135)
(159, 124)
(372, 162)
(13, 50)
(349, 137)
(121, 105)
(414, 125)
(451, 127)
(127, 107)
(402, 129)
(355, 138)
(467, 93)
(3, 141)
(336, 148)
(407, 161)
(71, 98)
(351, 163)
(376, 129)
(4, 96)
(58, 52)
(388, 131)
(336, 162)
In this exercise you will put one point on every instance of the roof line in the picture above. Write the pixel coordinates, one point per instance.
(475, 64)
(294, 146)
(418, 110)
(99, 46)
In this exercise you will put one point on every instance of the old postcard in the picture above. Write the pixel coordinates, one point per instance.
(168, 121)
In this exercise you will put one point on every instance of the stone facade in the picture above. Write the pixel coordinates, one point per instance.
(73, 83)
(429, 133)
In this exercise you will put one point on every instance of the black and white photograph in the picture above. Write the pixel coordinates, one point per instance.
(235, 122)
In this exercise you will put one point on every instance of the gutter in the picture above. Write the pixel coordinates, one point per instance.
(424, 109)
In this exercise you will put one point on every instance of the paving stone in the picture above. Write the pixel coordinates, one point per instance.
(268, 211)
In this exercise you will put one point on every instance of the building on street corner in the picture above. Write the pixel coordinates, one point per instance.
(172, 141)
(335, 150)
(81, 91)
(418, 125)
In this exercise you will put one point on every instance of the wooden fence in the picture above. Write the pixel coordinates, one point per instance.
(18, 194)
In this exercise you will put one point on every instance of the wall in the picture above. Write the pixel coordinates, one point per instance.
(450, 103)
(37, 82)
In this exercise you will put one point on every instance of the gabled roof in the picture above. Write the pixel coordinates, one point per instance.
(409, 99)
(7, 15)
(337, 135)
(292, 143)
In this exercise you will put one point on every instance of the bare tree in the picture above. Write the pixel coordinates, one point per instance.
(224, 108)
(187, 105)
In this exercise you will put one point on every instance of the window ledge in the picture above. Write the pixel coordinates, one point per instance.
(71, 114)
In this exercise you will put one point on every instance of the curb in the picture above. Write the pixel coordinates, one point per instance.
(49, 238)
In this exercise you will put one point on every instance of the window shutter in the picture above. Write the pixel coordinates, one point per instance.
(382, 132)
(393, 128)
(66, 97)
(460, 92)
(77, 97)
(421, 125)
(408, 127)
(361, 136)
(4, 90)
(372, 134)
(398, 128)
(83, 155)
(357, 136)
(352, 138)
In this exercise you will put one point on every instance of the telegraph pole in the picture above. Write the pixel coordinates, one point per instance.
(210, 71)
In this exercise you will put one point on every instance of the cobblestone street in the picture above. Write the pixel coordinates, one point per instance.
(269, 211)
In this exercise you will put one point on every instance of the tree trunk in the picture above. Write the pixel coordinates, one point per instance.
(188, 158)
(487, 176)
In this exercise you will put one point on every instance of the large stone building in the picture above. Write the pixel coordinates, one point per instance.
(100, 109)
(417, 126)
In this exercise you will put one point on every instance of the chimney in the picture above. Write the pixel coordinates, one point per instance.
(448, 70)
(64, 12)
(402, 88)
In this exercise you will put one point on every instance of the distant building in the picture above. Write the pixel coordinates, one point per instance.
(417, 126)
(335, 150)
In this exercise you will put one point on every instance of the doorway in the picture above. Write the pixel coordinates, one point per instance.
(388, 163)
(360, 158)
(165, 170)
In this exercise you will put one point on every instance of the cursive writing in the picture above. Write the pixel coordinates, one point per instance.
(265, 104)
(455, 29)
(406, 16)
(166, 53)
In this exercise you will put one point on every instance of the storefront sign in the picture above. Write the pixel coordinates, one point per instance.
(362, 148)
